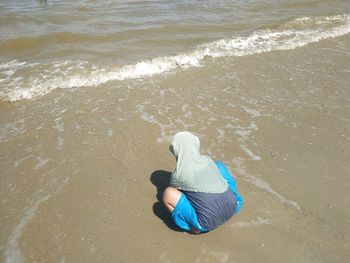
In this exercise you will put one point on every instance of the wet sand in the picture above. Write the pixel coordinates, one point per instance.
(81, 167)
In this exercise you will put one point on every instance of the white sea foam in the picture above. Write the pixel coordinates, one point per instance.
(254, 222)
(253, 156)
(265, 186)
(17, 163)
(12, 251)
(59, 142)
(253, 112)
(23, 80)
(41, 163)
(151, 119)
(244, 132)
(58, 126)
(239, 169)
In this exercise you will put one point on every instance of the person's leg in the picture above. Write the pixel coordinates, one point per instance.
(182, 212)
(170, 198)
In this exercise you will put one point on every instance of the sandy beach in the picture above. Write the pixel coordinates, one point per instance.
(83, 168)
(289, 158)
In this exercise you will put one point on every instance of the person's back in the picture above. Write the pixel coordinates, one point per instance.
(212, 209)
(202, 195)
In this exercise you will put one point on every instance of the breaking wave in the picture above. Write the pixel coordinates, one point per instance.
(24, 80)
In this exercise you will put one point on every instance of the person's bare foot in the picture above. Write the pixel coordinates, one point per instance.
(195, 231)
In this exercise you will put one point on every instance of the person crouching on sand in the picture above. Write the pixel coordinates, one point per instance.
(202, 194)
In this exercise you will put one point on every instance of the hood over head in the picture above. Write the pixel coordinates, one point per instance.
(194, 171)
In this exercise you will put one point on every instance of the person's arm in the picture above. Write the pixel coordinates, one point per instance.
(231, 182)
(174, 182)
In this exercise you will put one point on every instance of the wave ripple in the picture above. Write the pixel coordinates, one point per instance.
(22, 80)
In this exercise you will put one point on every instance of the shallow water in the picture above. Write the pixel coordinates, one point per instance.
(47, 45)
(93, 92)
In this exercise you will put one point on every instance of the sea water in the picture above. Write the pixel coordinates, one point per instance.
(91, 88)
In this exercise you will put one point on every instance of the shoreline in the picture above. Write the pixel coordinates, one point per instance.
(78, 164)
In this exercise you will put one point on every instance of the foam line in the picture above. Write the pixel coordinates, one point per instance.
(254, 222)
(265, 186)
(23, 80)
(12, 251)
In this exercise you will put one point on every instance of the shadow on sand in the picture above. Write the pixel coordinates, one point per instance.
(161, 179)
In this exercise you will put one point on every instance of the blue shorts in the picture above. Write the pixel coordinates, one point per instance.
(184, 214)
